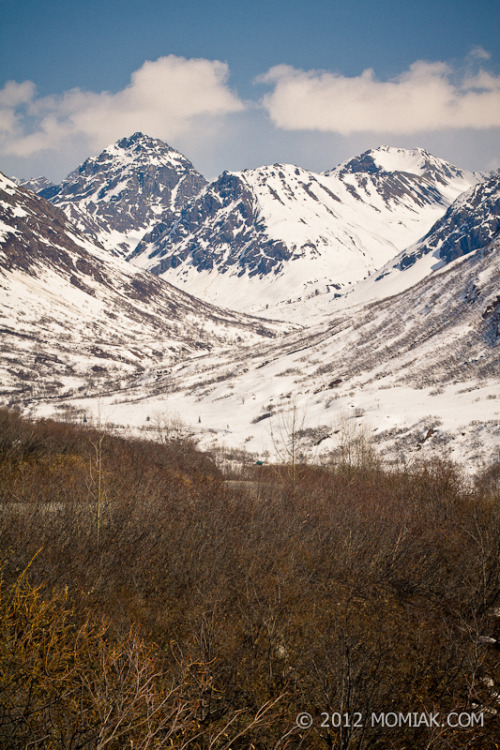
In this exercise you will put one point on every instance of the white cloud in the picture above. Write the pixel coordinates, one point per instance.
(165, 98)
(479, 53)
(321, 117)
(424, 98)
(12, 96)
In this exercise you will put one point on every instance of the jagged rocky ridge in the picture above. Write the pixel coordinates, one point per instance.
(470, 223)
(274, 234)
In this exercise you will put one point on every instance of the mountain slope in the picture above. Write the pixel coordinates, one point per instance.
(414, 372)
(469, 224)
(118, 196)
(276, 234)
(71, 313)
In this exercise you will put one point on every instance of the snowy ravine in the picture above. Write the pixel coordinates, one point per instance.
(416, 374)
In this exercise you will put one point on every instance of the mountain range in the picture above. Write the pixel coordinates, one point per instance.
(132, 285)
(283, 234)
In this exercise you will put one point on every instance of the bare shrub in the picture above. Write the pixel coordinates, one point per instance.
(336, 588)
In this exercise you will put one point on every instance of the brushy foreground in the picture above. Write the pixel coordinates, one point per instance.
(146, 602)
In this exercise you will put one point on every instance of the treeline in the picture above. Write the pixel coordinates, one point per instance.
(147, 603)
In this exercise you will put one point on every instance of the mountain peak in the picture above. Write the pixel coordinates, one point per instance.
(414, 161)
(392, 159)
(137, 136)
(140, 148)
(140, 141)
(399, 151)
(36, 184)
(119, 195)
(136, 140)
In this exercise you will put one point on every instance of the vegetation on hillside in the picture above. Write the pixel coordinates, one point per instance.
(146, 602)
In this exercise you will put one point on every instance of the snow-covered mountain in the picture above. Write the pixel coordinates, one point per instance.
(36, 184)
(132, 186)
(402, 248)
(258, 239)
(73, 317)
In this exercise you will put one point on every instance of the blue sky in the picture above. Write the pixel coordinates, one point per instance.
(238, 84)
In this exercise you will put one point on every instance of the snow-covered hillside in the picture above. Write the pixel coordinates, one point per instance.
(133, 185)
(259, 239)
(73, 318)
(470, 223)
(414, 373)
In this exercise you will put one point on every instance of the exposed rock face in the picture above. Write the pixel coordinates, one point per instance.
(222, 229)
(118, 196)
